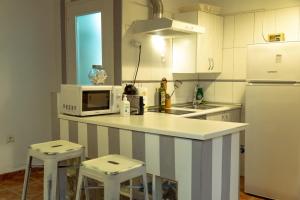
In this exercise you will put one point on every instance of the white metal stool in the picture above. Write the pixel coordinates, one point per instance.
(51, 153)
(112, 170)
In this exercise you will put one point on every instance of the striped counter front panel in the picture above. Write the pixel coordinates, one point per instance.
(204, 170)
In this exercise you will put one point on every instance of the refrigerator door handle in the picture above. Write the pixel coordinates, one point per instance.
(272, 71)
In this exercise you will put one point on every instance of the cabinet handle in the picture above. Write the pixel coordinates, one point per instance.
(213, 63)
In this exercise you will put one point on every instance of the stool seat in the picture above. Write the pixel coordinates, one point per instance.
(55, 147)
(112, 164)
(111, 170)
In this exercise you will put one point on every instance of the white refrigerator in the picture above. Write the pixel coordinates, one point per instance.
(272, 109)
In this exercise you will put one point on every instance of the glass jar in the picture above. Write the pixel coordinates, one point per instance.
(97, 75)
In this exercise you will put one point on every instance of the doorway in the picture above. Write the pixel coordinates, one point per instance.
(93, 37)
(88, 45)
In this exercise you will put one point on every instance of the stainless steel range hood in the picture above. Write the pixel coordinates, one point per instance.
(162, 26)
(165, 27)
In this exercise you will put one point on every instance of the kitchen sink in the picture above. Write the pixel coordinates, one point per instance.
(201, 107)
(171, 111)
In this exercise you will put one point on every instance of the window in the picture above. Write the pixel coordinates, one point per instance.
(88, 45)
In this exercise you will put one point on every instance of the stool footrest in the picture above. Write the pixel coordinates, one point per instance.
(93, 187)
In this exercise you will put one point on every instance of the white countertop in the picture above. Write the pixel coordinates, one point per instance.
(164, 124)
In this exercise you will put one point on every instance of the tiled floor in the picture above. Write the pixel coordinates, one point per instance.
(11, 186)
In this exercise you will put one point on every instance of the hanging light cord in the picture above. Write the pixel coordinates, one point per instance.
(138, 64)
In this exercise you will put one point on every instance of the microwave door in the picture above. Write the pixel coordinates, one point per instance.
(96, 100)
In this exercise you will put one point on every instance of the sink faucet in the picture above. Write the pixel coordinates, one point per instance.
(198, 96)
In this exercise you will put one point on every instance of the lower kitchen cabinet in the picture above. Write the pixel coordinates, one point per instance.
(227, 116)
(216, 116)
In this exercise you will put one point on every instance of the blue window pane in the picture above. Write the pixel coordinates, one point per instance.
(88, 45)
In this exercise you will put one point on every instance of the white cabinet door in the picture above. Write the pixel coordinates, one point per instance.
(215, 116)
(217, 43)
(227, 116)
(277, 21)
(265, 24)
(210, 43)
(243, 29)
(184, 54)
(185, 48)
(201, 53)
(233, 115)
(204, 41)
(287, 21)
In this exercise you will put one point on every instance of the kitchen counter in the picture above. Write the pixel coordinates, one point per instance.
(201, 156)
(163, 124)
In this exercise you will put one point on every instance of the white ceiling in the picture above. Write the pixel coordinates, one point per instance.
(233, 6)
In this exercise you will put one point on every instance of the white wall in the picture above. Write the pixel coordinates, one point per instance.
(30, 71)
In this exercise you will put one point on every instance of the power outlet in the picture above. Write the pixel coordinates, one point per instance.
(10, 139)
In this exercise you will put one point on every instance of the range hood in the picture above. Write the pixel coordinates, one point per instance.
(166, 27)
(163, 26)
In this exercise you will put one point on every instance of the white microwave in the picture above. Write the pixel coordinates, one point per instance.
(80, 100)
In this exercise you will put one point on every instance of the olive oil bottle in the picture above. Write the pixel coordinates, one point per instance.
(161, 98)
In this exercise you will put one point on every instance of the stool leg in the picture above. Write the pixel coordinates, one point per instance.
(26, 177)
(85, 180)
(130, 189)
(50, 179)
(62, 182)
(156, 188)
(111, 190)
(86, 186)
(79, 185)
(145, 182)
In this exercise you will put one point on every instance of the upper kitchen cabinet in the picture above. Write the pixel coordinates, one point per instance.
(285, 21)
(201, 53)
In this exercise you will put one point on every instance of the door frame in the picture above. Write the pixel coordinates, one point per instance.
(111, 12)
